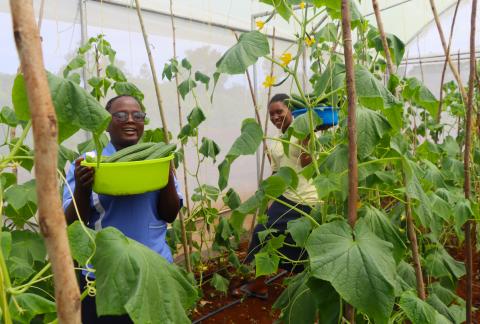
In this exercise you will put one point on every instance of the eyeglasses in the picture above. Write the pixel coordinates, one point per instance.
(122, 116)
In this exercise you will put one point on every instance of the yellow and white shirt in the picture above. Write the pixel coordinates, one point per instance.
(305, 194)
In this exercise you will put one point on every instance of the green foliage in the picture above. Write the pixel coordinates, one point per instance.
(246, 144)
(219, 283)
(338, 254)
(75, 108)
(251, 46)
(418, 311)
(132, 280)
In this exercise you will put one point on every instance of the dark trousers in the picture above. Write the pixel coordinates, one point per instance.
(89, 311)
(278, 217)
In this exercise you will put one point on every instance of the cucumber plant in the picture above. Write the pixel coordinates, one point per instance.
(409, 165)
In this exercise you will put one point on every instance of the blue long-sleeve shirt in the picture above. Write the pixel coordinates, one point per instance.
(136, 216)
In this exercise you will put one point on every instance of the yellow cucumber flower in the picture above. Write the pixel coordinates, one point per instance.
(309, 40)
(286, 58)
(260, 24)
(269, 81)
(302, 5)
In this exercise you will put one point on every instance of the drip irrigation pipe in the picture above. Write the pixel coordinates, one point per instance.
(236, 301)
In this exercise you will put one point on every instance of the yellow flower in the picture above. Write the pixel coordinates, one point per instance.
(309, 40)
(302, 5)
(359, 204)
(286, 58)
(269, 81)
(260, 24)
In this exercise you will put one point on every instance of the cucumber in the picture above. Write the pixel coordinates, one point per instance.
(129, 150)
(295, 104)
(141, 155)
(162, 152)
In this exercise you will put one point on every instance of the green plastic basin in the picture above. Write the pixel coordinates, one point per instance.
(130, 178)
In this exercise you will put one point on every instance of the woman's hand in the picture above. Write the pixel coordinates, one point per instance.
(305, 158)
(83, 177)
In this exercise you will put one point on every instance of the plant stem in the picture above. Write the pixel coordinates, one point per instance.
(470, 226)
(17, 146)
(51, 218)
(180, 122)
(21, 289)
(265, 152)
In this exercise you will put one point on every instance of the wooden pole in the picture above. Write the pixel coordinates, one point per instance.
(442, 79)
(351, 122)
(180, 122)
(447, 54)
(412, 237)
(388, 57)
(51, 218)
(469, 226)
(265, 152)
(154, 72)
(351, 97)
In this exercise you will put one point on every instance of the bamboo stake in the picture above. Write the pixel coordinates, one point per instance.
(412, 237)
(180, 121)
(442, 80)
(154, 72)
(388, 57)
(445, 49)
(470, 226)
(265, 128)
(351, 121)
(51, 218)
(408, 206)
(351, 94)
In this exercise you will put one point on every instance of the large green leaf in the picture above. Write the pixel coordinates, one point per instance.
(185, 87)
(441, 264)
(266, 264)
(371, 92)
(419, 311)
(420, 95)
(441, 308)
(8, 117)
(30, 305)
(81, 245)
(395, 45)
(246, 144)
(75, 108)
(301, 125)
(283, 7)
(209, 148)
(250, 47)
(327, 33)
(115, 73)
(371, 127)
(326, 183)
(17, 196)
(133, 279)
(300, 230)
(423, 208)
(296, 302)
(379, 224)
(219, 283)
(358, 264)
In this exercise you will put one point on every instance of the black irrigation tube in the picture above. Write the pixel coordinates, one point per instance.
(236, 301)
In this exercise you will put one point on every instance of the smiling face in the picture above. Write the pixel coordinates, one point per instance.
(127, 132)
(280, 115)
